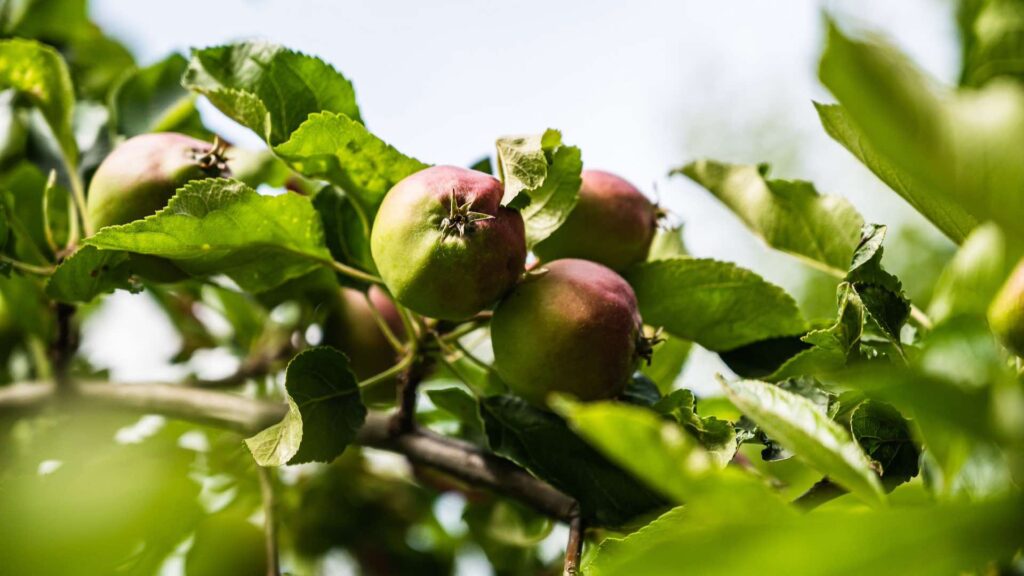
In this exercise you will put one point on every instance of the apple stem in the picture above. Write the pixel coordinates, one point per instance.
(574, 547)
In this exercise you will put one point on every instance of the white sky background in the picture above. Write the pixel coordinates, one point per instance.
(640, 86)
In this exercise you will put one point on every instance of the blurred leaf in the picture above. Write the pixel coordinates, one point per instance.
(247, 318)
(13, 133)
(508, 534)
(268, 88)
(90, 272)
(458, 403)
(53, 21)
(652, 448)
(151, 99)
(800, 426)
(220, 226)
(952, 153)
(40, 73)
(227, 543)
(667, 244)
(96, 61)
(542, 180)
(335, 148)
(825, 543)
(716, 304)
(992, 36)
(30, 311)
(325, 412)
(971, 279)
(789, 215)
(178, 306)
(542, 443)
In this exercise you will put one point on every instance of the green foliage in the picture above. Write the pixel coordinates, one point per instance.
(789, 215)
(716, 304)
(803, 428)
(543, 444)
(324, 412)
(952, 156)
(542, 179)
(837, 542)
(39, 72)
(223, 226)
(923, 425)
(152, 99)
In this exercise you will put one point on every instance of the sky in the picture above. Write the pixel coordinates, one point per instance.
(641, 87)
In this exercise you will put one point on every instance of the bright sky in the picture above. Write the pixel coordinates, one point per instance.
(641, 86)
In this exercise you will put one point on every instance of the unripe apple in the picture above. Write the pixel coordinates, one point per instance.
(141, 175)
(444, 245)
(613, 224)
(574, 329)
(350, 326)
(1006, 314)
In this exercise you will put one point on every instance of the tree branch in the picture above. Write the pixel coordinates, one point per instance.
(462, 460)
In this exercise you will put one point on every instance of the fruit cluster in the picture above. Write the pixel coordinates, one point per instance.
(446, 248)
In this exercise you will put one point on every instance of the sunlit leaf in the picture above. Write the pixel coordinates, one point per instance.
(324, 412)
(716, 304)
(790, 215)
(800, 426)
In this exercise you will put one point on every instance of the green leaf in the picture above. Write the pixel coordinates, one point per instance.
(268, 88)
(971, 279)
(542, 443)
(667, 244)
(880, 291)
(796, 423)
(346, 228)
(459, 403)
(838, 542)
(220, 226)
(335, 148)
(789, 215)
(5, 226)
(325, 412)
(952, 153)
(39, 72)
(151, 99)
(715, 304)
(990, 32)
(542, 179)
(717, 437)
(885, 436)
(96, 62)
(652, 448)
(90, 272)
(830, 348)
(640, 391)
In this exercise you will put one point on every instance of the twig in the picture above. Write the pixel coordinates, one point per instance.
(64, 346)
(462, 460)
(252, 367)
(351, 272)
(269, 520)
(404, 420)
(823, 491)
(389, 334)
(574, 547)
(26, 267)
